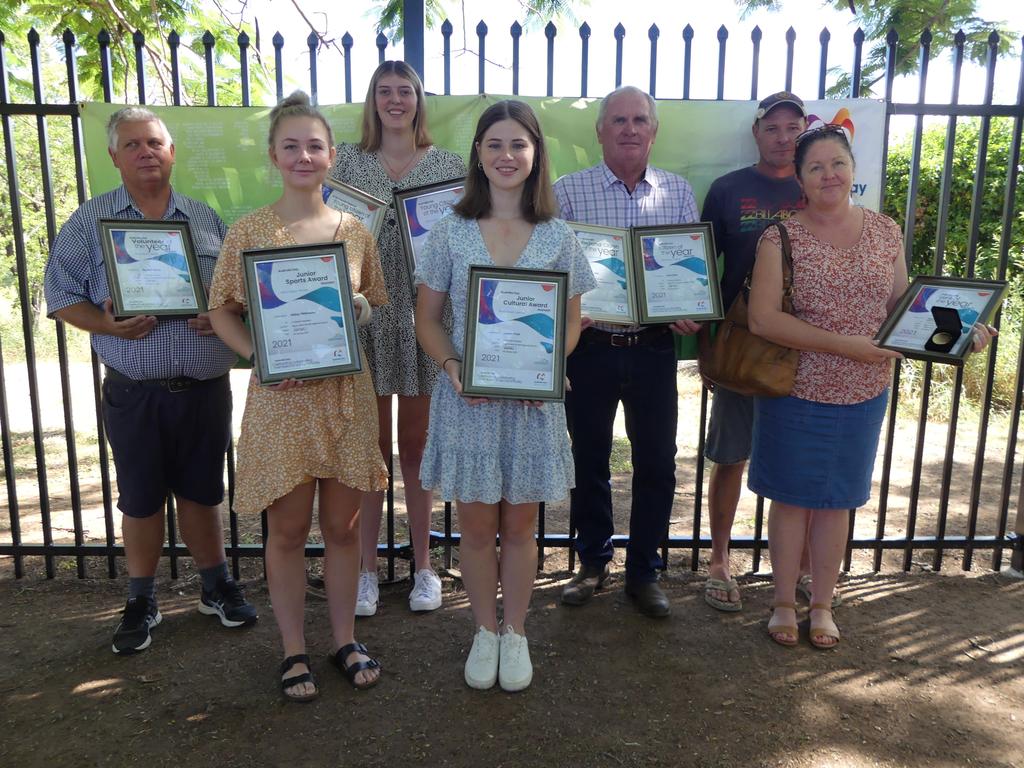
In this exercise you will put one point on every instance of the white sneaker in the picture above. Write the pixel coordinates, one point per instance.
(368, 595)
(516, 671)
(482, 662)
(426, 591)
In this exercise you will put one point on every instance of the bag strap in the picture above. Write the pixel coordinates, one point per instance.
(787, 267)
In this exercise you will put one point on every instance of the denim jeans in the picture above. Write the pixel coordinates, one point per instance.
(643, 378)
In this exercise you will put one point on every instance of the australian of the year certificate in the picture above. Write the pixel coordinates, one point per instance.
(911, 324)
(608, 250)
(676, 273)
(418, 209)
(300, 303)
(515, 334)
(151, 268)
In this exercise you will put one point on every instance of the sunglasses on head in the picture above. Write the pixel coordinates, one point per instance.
(827, 128)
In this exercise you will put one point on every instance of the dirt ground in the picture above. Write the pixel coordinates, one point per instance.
(930, 671)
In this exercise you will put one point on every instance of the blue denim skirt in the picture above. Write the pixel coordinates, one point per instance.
(815, 455)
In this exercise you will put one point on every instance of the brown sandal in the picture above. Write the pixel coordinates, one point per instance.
(821, 630)
(779, 629)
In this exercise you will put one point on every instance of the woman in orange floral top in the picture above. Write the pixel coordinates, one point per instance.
(299, 438)
(813, 452)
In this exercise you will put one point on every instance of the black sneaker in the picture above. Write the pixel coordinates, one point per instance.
(228, 602)
(132, 634)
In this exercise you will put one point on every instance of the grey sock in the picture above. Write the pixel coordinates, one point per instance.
(214, 575)
(142, 586)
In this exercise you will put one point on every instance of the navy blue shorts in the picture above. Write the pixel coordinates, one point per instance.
(815, 455)
(167, 441)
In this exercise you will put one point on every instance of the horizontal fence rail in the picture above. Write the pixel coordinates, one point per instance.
(63, 110)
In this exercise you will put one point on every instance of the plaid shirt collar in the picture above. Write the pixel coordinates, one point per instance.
(122, 201)
(610, 179)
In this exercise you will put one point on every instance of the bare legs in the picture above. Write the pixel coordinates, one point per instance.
(288, 520)
(200, 530)
(413, 414)
(789, 529)
(482, 569)
(723, 496)
(339, 525)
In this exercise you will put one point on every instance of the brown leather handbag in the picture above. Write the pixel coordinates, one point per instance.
(743, 361)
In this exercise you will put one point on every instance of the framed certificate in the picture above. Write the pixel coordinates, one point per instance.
(151, 268)
(676, 273)
(515, 334)
(418, 209)
(367, 208)
(610, 253)
(932, 320)
(301, 315)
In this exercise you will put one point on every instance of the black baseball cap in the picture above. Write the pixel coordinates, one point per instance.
(769, 103)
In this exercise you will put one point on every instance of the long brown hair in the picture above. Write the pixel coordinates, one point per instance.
(538, 199)
(370, 141)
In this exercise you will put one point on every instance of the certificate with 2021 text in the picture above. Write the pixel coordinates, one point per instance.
(151, 268)
(515, 334)
(300, 304)
(676, 273)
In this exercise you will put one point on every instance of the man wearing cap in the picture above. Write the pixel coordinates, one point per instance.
(739, 205)
(629, 364)
(166, 397)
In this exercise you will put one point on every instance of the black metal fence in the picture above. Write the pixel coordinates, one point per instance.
(992, 534)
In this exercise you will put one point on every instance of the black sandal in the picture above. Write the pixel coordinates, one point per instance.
(351, 670)
(305, 677)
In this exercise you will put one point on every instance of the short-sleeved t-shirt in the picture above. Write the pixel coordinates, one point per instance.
(844, 291)
(739, 206)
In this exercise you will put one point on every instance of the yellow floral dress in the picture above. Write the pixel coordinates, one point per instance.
(325, 428)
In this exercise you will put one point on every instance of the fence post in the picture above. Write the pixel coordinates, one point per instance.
(415, 23)
(1017, 538)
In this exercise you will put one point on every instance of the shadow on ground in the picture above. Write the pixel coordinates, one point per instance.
(930, 673)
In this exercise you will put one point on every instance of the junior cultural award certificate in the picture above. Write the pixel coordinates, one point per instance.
(515, 341)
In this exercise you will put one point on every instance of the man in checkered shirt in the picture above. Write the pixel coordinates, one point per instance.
(166, 397)
(629, 364)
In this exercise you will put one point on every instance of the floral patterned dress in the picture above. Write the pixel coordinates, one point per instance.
(500, 449)
(325, 428)
(398, 363)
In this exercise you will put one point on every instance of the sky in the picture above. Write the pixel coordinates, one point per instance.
(807, 17)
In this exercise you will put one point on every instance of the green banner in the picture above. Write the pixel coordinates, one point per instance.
(221, 152)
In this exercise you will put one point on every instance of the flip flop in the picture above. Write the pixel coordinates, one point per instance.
(713, 584)
(803, 586)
